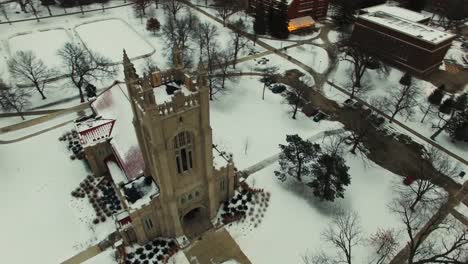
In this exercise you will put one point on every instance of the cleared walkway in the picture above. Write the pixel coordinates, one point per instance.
(215, 246)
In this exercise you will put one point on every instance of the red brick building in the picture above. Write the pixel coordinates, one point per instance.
(394, 35)
(317, 9)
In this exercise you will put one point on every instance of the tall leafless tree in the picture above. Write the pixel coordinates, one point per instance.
(33, 7)
(297, 94)
(23, 4)
(26, 68)
(4, 13)
(385, 243)
(359, 131)
(223, 60)
(16, 99)
(173, 7)
(268, 77)
(449, 246)
(139, 6)
(238, 42)
(226, 8)
(402, 99)
(177, 33)
(361, 61)
(208, 34)
(84, 67)
(344, 234)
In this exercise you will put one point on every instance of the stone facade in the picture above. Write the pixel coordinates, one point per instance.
(176, 141)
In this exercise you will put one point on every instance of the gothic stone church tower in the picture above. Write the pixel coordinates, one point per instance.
(175, 139)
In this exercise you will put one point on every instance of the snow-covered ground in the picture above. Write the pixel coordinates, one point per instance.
(44, 44)
(294, 220)
(45, 224)
(311, 55)
(252, 128)
(109, 37)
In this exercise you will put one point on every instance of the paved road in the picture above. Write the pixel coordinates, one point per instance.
(396, 122)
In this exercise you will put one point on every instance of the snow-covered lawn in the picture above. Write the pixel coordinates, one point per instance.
(44, 44)
(252, 128)
(294, 220)
(311, 55)
(45, 224)
(109, 37)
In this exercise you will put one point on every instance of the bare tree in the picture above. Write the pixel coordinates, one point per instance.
(457, 105)
(238, 42)
(177, 33)
(344, 233)
(449, 247)
(269, 74)
(33, 8)
(318, 258)
(223, 61)
(25, 67)
(84, 67)
(23, 4)
(385, 243)
(359, 130)
(140, 8)
(16, 99)
(4, 13)
(403, 99)
(361, 61)
(296, 95)
(226, 8)
(149, 66)
(173, 6)
(207, 35)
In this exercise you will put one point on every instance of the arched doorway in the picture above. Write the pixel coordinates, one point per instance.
(195, 222)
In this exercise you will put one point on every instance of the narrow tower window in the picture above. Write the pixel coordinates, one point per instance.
(183, 151)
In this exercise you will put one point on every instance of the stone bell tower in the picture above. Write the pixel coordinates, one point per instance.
(175, 138)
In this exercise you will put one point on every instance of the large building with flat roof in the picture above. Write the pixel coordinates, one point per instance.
(399, 37)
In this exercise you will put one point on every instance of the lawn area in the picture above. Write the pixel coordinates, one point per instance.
(294, 220)
(45, 224)
(109, 37)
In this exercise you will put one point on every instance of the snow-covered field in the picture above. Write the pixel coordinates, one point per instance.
(45, 224)
(252, 128)
(109, 37)
(294, 220)
(312, 56)
(44, 44)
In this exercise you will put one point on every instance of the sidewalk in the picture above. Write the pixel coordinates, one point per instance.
(83, 255)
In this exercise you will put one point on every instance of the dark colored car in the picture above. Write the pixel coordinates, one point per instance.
(319, 116)
(277, 89)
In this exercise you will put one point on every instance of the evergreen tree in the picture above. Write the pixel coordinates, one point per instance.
(259, 22)
(436, 96)
(461, 102)
(446, 106)
(90, 90)
(330, 177)
(296, 158)
(343, 11)
(457, 127)
(153, 25)
(282, 21)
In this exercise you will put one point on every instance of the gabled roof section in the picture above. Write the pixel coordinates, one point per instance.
(94, 130)
(114, 104)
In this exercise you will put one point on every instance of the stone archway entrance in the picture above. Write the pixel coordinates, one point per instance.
(195, 222)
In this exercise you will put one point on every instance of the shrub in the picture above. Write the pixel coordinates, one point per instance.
(143, 256)
(139, 251)
(151, 255)
(130, 255)
(95, 221)
(148, 246)
(103, 218)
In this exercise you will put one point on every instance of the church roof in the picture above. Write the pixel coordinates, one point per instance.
(114, 104)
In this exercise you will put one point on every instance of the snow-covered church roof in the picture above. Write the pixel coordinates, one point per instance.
(114, 104)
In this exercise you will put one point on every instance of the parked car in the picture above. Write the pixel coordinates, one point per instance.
(358, 105)
(277, 88)
(349, 102)
(319, 116)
